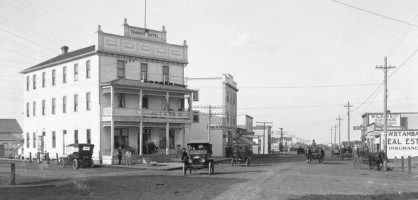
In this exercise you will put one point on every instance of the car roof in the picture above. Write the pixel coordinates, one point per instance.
(198, 142)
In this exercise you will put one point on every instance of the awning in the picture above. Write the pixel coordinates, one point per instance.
(244, 140)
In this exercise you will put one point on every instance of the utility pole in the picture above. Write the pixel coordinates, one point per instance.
(332, 144)
(385, 107)
(281, 140)
(339, 131)
(335, 134)
(348, 121)
(210, 115)
(264, 134)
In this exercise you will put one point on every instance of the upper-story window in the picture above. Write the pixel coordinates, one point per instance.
(145, 102)
(43, 79)
(34, 108)
(144, 71)
(43, 107)
(27, 139)
(88, 101)
(53, 77)
(76, 136)
(76, 72)
(166, 74)
(121, 100)
(88, 69)
(64, 75)
(34, 81)
(53, 106)
(121, 69)
(75, 103)
(64, 104)
(27, 83)
(27, 110)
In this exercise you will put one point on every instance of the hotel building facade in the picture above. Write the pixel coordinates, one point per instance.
(125, 91)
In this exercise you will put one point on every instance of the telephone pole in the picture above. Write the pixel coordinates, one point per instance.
(339, 131)
(385, 106)
(281, 141)
(335, 134)
(210, 114)
(348, 121)
(264, 134)
(332, 144)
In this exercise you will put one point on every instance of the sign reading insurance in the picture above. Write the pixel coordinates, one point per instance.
(402, 143)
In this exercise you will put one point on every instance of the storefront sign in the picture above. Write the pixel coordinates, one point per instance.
(142, 33)
(402, 143)
(392, 119)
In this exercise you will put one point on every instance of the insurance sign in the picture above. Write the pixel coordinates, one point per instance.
(402, 143)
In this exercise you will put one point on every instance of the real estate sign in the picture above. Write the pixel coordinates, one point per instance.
(402, 143)
(392, 119)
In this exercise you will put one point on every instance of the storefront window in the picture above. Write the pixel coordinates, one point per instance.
(121, 138)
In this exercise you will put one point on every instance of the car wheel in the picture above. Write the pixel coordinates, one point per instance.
(61, 163)
(76, 164)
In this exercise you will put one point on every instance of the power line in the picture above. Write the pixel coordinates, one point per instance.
(374, 13)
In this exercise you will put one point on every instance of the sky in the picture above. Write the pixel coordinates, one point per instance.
(296, 62)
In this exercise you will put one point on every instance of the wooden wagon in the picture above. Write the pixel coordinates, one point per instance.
(241, 153)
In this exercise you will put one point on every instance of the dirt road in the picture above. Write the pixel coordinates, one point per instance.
(270, 177)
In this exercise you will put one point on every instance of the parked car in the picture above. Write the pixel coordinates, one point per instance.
(199, 157)
(77, 155)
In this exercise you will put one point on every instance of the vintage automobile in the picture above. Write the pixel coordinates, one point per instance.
(241, 153)
(77, 155)
(199, 157)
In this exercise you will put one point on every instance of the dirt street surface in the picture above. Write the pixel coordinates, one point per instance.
(269, 177)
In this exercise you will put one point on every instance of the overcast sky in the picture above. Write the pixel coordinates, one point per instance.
(296, 62)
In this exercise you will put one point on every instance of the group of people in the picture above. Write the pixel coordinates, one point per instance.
(128, 156)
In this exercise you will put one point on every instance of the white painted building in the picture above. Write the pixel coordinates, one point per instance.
(127, 90)
(264, 138)
(219, 95)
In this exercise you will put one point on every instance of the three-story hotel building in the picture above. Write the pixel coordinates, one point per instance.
(125, 91)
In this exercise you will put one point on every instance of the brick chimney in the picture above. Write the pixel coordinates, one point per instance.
(64, 49)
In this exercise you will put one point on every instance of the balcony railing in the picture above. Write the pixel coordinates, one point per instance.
(145, 113)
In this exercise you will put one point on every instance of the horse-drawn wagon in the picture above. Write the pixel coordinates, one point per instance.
(368, 159)
(317, 153)
(241, 153)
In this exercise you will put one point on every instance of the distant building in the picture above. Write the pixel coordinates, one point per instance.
(126, 91)
(10, 138)
(217, 103)
(263, 134)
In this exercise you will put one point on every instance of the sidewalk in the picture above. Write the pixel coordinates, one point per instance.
(160, 166)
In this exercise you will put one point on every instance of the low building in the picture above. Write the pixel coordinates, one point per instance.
(10, 138)
(263, 134)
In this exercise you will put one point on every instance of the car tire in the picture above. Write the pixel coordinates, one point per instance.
(76, 164)
(61, 163)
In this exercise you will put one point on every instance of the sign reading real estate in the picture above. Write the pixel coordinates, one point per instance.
(402, 143)
(392, 119)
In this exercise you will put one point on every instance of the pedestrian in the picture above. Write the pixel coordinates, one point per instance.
(184, 155)
(119, 155)
(128, 155)
(313, 145)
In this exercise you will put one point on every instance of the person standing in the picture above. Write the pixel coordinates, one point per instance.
(119, 154)
(128, 155)
(313, 145)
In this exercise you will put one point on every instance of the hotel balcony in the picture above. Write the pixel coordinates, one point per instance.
(147, 115)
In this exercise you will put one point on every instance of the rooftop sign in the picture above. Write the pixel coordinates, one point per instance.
(145, 34)
(392, 119)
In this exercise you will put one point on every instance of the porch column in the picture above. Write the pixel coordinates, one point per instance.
(141, 125)
(191, 116)
(167, 126)
(112, 125)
